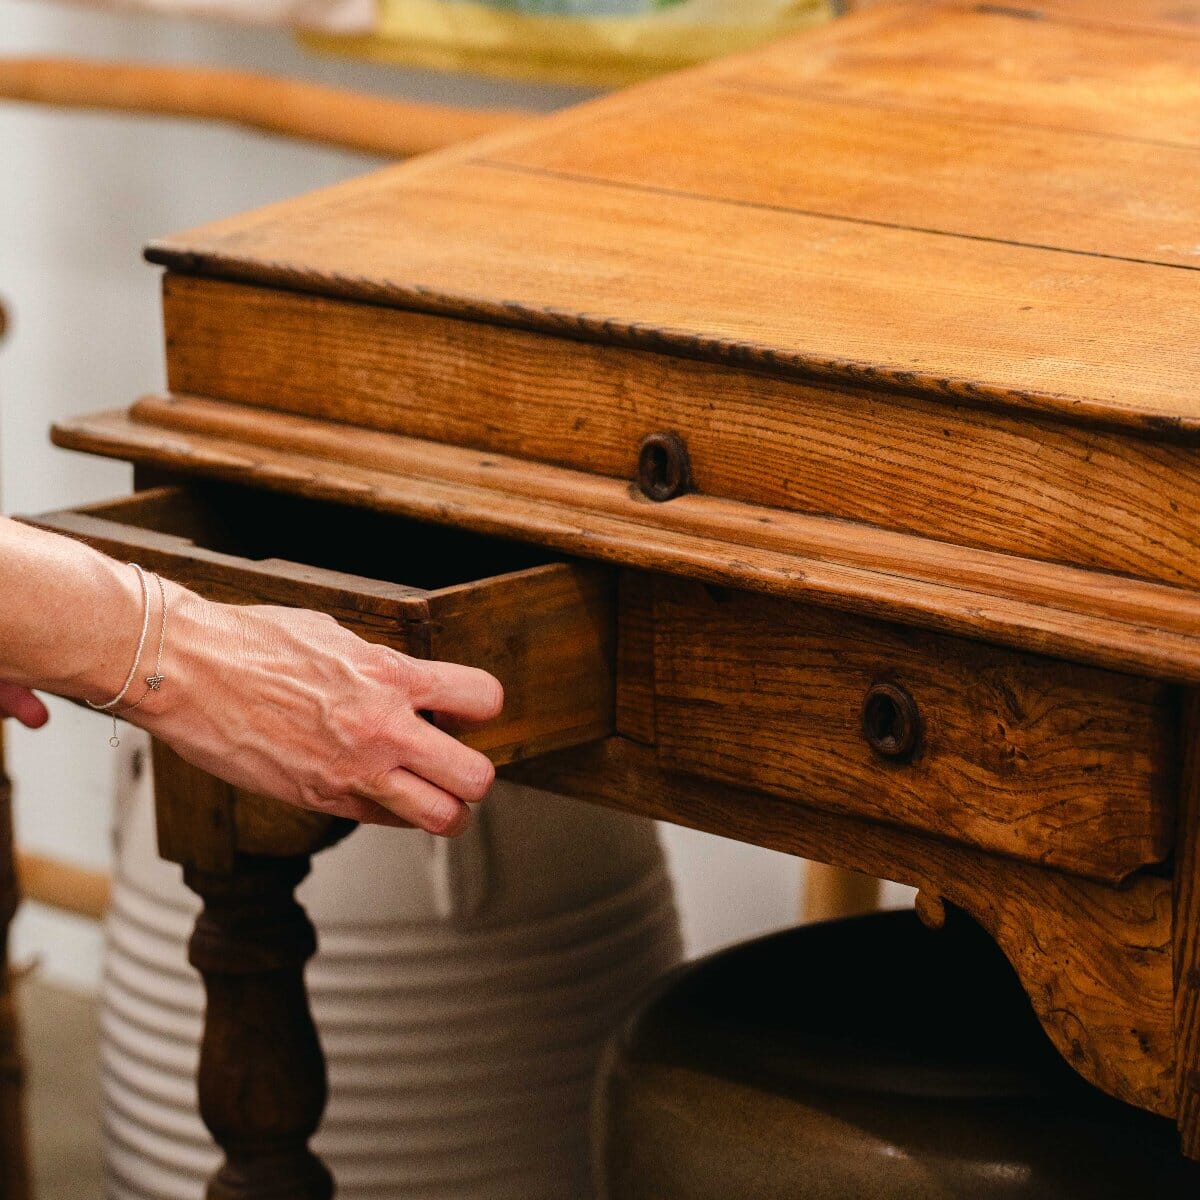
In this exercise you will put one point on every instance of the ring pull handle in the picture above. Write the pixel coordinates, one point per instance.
(891, 722)
(664, 470)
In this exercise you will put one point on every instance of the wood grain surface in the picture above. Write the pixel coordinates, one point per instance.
(635, 657)
(261, 1078)
(1095, 960)
(1102, 67)
(1097, 618)
(549, 635)
(960, 203)
(1181, 15)
(856, 164)
(1045, 760)
(1014, 483)
(1187, 935)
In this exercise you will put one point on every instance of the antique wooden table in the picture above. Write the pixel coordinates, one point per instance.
(809, 441)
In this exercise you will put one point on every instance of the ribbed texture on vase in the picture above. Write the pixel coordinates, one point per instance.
(461, 1050)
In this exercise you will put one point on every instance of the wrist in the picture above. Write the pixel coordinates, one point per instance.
(187, 635)
(96, 666)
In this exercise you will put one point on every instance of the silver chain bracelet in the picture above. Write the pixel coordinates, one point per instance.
(153, 682)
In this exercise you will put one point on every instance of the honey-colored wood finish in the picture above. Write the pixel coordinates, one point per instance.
(849, 452)
(1095, 960)
(1138, 14)
(1038, 758)
(1187, 936)
(1109, 620)
(368, 124)
(65, 886)
(978, 314)
(912, 301)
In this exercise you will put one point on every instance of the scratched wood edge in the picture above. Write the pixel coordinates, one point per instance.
(1187, 933)
(1094, 960)
(1110, 621)
(682, 343)
(990, 572)
(998, 482)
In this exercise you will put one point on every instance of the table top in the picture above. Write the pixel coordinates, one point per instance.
(916, 294)
(980, 204)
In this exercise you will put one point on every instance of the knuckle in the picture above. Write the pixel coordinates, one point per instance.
(494, 698)
(410, 675)
(319, 797)
(478, 778)
(444, 819)
(403, 741)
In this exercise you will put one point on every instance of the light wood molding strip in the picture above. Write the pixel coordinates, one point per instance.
(290, 107)
(63, 885)
(1104, 619)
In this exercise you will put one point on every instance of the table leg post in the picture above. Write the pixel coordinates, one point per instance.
(1187, 935)
(262, 1072)
(14, 1165)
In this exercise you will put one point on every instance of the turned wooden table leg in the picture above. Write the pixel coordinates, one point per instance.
(1187, 936)
(14, 1165)
(262, 1073)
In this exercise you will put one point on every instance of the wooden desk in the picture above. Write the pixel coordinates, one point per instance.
(855, 381)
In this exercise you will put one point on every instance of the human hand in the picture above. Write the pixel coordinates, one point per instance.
(21, 703)
(288, 704)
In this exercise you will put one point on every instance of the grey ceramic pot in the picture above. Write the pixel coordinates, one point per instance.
(867, 1059)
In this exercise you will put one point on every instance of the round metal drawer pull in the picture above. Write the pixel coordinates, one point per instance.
(664, 470)
(891, 721)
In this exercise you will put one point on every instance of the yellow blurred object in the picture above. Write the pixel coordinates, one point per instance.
(589, 42)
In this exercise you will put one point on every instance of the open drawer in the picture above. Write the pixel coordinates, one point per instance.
(543, 627)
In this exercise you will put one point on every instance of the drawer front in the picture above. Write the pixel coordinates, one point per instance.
(544, 628)
(1034, 757)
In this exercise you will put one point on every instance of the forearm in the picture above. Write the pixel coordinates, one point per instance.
(277, 701)
(71, 616)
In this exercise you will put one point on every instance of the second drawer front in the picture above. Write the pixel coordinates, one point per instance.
(1034, 757)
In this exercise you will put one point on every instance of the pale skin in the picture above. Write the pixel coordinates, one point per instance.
(278, 701)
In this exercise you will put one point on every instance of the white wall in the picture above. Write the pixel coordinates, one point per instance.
(79, 195)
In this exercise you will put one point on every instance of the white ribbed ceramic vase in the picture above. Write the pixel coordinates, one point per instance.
(462, 989)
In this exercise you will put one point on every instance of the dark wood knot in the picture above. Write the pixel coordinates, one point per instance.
(664, 470)
(891, 721)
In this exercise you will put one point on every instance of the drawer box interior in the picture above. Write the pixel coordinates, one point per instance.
(543, 626)
(1035, 757)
